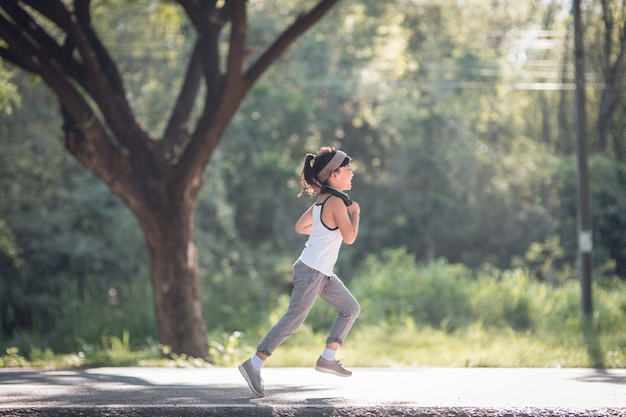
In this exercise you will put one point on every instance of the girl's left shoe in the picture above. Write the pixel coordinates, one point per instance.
(332, 367)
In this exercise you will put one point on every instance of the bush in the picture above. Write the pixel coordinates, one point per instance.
(393, 289)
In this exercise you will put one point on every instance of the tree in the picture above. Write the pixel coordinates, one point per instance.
(613, 63)
(158, 178)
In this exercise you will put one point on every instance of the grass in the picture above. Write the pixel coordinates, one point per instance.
(435, 315)
(474, 346)
(367, 346)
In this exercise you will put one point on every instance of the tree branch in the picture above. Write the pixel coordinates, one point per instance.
(85, 136)
(78, 110)
(175, 133)
(194, 13)
(46, 47)
(208, 22)
(56, 11)
(201, 11)
(236, 47)
(199, 148)
(109, 68)
(20, 49)
(102, 81)
(222, 103)
(302, 23)
(11, 57)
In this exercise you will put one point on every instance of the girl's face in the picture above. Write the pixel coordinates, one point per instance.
(342, 178)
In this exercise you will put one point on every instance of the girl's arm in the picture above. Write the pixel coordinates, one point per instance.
(304, 225)
(347, 219)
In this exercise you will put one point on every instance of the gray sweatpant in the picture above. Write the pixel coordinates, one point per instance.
(308, 284)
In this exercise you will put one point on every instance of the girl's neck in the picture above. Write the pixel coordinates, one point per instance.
(335, 188)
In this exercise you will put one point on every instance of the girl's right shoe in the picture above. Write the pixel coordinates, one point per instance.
(253, 378)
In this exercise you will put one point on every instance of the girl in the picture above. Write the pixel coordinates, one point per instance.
(332, 219)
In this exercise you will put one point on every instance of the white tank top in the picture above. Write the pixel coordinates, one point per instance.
(322, 248)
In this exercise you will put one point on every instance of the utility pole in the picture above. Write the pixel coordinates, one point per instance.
(584, 201)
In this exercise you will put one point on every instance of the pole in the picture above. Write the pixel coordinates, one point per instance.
(584, 203)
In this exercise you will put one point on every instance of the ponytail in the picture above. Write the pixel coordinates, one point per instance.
(309, 184)
(317, 169)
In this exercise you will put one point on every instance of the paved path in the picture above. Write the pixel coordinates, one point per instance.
(304, 392)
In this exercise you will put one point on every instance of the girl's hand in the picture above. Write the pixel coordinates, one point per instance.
(354, 209)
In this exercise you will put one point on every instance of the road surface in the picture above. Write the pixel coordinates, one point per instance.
(449, 392)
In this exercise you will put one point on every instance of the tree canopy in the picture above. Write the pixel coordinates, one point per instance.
(159, 180)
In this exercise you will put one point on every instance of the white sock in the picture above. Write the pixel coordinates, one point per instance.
(329, 354)
(256, 362)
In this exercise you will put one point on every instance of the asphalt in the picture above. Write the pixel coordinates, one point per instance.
(449, 392)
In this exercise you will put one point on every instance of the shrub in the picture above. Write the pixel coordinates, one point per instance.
(392, 288)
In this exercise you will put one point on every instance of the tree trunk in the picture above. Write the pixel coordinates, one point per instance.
(613, 61)
(177, 293)
(608, 104)
(168, 227)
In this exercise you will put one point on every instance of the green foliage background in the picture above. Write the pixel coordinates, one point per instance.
(467, 185)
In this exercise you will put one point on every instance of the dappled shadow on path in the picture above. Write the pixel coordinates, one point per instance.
(603, 376)
(94, 389)
(98, 393)
(71, 387)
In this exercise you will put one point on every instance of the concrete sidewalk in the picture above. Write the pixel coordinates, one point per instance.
(304, 392)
